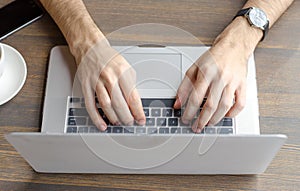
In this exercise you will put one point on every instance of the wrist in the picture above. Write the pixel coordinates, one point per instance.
(82, 36)
(239, 34)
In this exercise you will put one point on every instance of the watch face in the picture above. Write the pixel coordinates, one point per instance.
(258, 17)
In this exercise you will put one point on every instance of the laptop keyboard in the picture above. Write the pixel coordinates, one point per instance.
(161, 118)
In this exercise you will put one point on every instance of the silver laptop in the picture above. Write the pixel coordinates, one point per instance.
(70, 143)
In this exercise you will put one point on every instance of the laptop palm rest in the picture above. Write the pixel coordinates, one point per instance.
(90, 153)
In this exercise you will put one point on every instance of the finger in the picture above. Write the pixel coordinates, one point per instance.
(185, 87)
(131, 95)
(105, 103)
(240, 101)
(225, 104)
(136, 107)
(210, 106)
(92, 109)
(120, 106)
(195, 101)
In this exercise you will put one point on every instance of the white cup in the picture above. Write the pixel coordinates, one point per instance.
(2, 62)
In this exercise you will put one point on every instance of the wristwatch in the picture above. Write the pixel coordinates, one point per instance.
(256, 18)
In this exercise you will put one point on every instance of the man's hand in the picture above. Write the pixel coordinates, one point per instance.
(220, 75)
(104, 71)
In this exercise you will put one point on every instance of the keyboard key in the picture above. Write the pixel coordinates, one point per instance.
(150, 121)
(83, 130)
(173, 122)
(146, 112)
(225, 130)
(198, 112)
(140, 130)
(72, 130)
(163, 130)
(161, 122)
(78, 112)
(178, 112)
(101, 112)
(77, 121)
(151, 102)
(129, 130)
(203, 102)
(152, 130)
(209, 130)
(225, 122)
(155, 112)
(74, 100)
(90, 122)
(106, 120)
(187, 131)
(108, 130)
(94, 130)
(175, 130)
(118, 129)
(167, 112)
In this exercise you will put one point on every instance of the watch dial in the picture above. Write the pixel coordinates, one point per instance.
(257, 17)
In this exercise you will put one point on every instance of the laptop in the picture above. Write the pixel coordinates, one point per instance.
(70, 143)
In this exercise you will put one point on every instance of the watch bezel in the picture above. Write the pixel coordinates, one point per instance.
(252, 23)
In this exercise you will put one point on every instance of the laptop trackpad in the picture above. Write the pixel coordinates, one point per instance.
(157, 74)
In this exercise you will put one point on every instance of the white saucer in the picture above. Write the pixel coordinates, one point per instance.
(14, 75)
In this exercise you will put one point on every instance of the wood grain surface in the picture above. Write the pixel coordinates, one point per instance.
(278, 68)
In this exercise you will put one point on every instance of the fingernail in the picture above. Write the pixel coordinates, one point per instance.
(117, 123)
(176, 103)
(198, 130)
(141, 122)
(102, 127)
(194, 128)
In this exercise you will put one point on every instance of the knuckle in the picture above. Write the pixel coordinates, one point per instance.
(133, 99)
(225, 105)
(204, 70)
(210, 105)
(123, 68)
(197, 95)
(104, 103)
(189, 73)
(107, 75)
(240, 105)
(195, 100)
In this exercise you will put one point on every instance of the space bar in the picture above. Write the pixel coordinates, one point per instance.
(158, 102)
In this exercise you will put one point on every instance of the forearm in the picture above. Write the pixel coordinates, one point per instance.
(75, 23)
(240, 33)
(273, 8)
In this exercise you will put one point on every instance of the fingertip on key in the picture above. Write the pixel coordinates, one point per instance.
(141, 122)
(177, 104)
(102, 127)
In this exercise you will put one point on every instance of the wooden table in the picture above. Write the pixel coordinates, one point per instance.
(278, 68)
